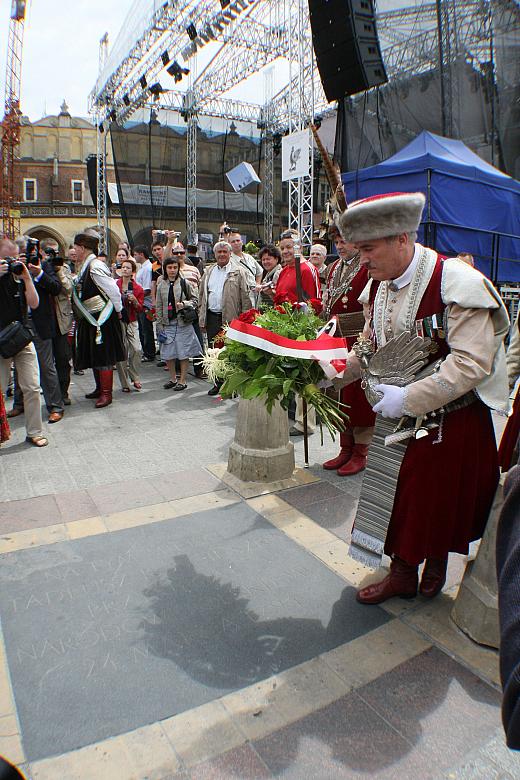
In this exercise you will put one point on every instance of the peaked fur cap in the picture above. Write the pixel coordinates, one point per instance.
(381, 216)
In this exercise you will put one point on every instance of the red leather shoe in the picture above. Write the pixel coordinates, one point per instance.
(433, 577)
(106, 379)
(356, 463)
(340, 460)
(402, 581)
(346, 441)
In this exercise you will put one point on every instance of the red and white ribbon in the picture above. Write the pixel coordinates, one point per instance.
(329, 351)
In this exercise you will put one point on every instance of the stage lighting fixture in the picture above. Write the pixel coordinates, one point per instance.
(165, 58)
(113, 115)
(18, 10)
(224, 3)
(126, 100)
(101, 127)
(229, 14)
(192, 32)
(176, 71)
(143, 82)
(156, 89)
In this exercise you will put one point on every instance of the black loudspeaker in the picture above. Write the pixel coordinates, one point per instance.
(346, 45)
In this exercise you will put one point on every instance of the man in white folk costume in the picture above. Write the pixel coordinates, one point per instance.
(432, 363)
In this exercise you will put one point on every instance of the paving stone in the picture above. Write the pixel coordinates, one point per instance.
(28, 513)
(437, 705)
(185, 483)
(75, 505)
(243, 763)
(346, 739)
(336, 514)
(163, 617)
(118, 496)
(301, 497)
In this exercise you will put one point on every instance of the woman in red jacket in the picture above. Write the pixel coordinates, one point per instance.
(132, 295)
(286, 285)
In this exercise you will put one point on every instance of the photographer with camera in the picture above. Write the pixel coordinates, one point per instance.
(61, 346)
(132, 295)
(42, 322)
(17, 292)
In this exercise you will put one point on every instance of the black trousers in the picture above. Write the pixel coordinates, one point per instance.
(62, 354)
(146, 335)
(213, 325)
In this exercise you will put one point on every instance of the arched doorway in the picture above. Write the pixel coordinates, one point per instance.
(43, 231)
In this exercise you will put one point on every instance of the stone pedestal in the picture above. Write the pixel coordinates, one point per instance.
(261, 450)
(476, 607)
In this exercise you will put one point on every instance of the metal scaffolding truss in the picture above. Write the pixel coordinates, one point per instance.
(224, 108)
(254, 33)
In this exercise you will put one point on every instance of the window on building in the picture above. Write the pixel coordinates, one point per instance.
(77, 191)
(324, 194)
(30, 190)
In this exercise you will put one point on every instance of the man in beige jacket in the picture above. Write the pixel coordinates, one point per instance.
(224, 294)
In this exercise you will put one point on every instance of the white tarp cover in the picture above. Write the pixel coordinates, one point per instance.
(175, 197)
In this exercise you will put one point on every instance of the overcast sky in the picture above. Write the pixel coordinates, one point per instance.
(61, 46)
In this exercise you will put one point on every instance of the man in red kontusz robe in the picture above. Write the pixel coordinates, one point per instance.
(429, 493)
(345, 282)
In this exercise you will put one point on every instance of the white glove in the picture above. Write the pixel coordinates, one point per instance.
(392, 402)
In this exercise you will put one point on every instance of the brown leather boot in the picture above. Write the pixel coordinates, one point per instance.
(433, 577)
(106, 379)
(346, 443)
(97, 392)
(356, 463)
(402, 582)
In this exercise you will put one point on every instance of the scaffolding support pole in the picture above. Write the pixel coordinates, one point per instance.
(101, 188)
(301, 114)
(191, 168)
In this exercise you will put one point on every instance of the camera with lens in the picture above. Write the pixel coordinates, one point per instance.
(54, 257)
(14, 265)
(32, 250)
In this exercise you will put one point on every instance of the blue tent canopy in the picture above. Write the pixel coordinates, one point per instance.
(470, 205)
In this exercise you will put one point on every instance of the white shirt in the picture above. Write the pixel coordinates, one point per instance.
(250, 266)
(406, 278)
(216, 281)
(144, 278)
(102, 278)
(144, 275)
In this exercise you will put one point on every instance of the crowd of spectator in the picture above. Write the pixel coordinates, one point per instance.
(168, 301)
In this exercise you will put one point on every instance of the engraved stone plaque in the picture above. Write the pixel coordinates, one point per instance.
(116, 631)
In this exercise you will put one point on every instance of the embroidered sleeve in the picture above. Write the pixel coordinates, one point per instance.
(471, 340)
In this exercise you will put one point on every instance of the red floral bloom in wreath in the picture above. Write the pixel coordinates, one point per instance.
(316, 305)
(249, 316)
(219, 340)
(285, 298)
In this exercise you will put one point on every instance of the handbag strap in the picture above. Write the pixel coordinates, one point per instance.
(184, 289)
